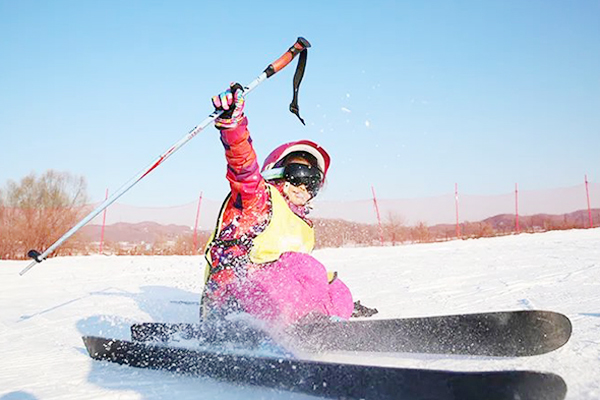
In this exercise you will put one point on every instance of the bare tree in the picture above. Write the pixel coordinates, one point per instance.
(36, 211)
(394, 228)
(421, 233)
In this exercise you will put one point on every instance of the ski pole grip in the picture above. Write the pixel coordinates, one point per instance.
(298, 47)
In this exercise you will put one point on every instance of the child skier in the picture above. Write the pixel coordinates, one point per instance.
(258, 257)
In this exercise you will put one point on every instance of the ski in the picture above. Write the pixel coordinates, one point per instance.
(331, 380)
(498, 334)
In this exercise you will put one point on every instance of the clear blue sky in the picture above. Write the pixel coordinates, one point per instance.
(407, 96)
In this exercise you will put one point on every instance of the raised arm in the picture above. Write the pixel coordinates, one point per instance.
(243, 171)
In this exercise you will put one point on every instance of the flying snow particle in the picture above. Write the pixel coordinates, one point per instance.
(368, 123)
(344, 109)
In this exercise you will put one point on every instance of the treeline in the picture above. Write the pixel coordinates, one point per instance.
(340, 233)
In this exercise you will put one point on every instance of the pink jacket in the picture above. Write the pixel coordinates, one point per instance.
(246, 212)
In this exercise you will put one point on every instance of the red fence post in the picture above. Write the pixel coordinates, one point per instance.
(456, 203)
(196, 224)
(518, 229)
(378, 216)
(103, 225)
(587, 192)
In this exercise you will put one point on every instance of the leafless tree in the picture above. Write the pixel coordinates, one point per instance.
(36, 211)
(421, 233)
(395, 229)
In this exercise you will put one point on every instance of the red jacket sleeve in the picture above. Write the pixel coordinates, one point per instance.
(248, 188)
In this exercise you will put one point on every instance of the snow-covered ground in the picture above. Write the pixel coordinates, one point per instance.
(44, 313)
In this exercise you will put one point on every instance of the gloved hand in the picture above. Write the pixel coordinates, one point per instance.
(232, 101)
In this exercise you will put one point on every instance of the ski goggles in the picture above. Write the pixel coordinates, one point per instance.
(298, 174)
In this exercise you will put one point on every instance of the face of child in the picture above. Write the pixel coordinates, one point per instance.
(297, 195)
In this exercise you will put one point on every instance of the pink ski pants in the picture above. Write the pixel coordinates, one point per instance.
(292, 287)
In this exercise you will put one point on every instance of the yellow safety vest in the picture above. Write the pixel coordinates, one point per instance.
(285, 232)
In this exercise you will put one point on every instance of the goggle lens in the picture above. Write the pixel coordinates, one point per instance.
(300, 174)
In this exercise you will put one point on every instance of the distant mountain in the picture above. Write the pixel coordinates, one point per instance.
(506, 223)
(576, 219)
(338, 232)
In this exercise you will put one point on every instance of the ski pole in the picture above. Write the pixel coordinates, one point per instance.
(300, 46)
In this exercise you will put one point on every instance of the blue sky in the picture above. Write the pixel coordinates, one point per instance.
(407, 96)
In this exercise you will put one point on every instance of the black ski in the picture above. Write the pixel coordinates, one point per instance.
(500, 334)
(332, 380)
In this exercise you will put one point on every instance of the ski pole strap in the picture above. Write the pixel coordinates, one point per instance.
(299, 48)
(298, 75)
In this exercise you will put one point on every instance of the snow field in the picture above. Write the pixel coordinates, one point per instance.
(44, 313)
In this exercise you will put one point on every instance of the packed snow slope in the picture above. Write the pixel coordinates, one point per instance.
(44, 313)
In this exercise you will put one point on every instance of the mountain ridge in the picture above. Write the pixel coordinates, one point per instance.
(151, 232)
